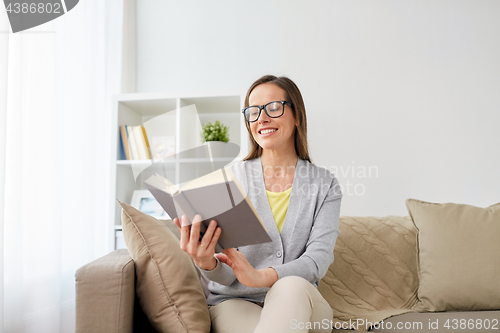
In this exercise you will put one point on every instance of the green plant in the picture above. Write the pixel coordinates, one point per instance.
(214, 132)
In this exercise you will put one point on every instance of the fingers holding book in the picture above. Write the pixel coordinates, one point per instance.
(200, 249)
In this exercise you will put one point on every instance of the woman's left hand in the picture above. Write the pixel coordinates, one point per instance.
(245, 272)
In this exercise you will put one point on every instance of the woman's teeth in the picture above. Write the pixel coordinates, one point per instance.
(268, 131)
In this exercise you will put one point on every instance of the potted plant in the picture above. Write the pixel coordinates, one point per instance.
(215, 135)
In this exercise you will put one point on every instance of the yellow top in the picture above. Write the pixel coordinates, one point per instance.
(278, 201)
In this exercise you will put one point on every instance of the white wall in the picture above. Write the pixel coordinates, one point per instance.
(410, 88)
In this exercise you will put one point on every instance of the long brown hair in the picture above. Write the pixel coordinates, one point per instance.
(294, 96)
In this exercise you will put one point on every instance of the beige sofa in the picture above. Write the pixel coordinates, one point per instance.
(375, 278)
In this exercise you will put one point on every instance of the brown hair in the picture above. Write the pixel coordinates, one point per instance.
(294, 96)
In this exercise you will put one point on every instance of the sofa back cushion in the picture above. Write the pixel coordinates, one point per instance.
(459, 256)
(168, 286)
(374, 274)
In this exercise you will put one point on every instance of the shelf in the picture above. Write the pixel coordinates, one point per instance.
(168, 117)
(206, 160)
(153, 107)
(180, 160)
(142, 162)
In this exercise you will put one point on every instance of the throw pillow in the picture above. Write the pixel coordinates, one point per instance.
(459, 256)
(168, 286)
(374, 274)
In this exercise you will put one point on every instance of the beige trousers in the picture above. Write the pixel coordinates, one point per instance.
(291, 305)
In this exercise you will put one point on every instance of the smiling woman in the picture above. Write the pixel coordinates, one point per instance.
(283, 90)
(265, 288)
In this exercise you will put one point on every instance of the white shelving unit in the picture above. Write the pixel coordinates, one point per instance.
(164, 114)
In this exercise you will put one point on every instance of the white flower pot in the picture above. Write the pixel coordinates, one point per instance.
(217, 149)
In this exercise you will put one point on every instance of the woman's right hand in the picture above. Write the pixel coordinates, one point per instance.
(202, 252)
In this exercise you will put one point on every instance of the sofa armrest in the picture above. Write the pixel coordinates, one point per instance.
(105, 292)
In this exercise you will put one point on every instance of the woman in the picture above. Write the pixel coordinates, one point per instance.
(272, 287)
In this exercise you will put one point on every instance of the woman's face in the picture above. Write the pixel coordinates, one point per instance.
(278, 132)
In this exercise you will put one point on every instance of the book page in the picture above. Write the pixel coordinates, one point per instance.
(162, 184)
(216, 177)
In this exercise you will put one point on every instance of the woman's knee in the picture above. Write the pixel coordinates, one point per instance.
(290, 283)
(290, 288)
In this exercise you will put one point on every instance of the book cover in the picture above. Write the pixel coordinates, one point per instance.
(125, 145)
(216, 196)
(132, 143)
(146, 143)
(139, 141)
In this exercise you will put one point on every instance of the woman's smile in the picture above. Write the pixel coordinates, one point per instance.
(267, 131)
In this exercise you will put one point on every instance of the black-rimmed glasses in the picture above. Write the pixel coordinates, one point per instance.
(272, 109)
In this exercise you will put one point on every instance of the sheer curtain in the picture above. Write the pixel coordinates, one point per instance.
(56, 82)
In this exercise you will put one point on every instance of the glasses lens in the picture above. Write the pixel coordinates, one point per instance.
(252, 113)
(275, 109)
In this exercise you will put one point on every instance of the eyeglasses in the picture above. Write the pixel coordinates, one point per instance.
(273, 110)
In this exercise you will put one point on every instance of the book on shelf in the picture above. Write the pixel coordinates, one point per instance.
(140, 142)
(216, 196)
(132, 143)
(146, 142)
(135, 143)
(125, 144)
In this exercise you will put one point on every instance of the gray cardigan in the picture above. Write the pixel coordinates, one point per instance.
(304, 247)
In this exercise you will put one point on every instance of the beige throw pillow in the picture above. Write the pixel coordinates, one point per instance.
(459, 256)
(168, 286)
(374, 274)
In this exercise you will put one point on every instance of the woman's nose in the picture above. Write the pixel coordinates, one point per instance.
(264, 118)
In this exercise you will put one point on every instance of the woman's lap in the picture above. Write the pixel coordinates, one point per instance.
(234, 315)
(290, 305)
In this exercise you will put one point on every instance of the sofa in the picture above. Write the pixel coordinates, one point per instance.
(435, 270)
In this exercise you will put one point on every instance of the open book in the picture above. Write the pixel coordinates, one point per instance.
(216, 196)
